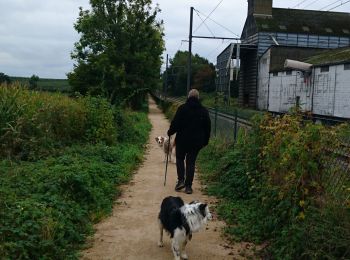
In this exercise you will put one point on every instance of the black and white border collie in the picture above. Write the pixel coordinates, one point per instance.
(180, 221)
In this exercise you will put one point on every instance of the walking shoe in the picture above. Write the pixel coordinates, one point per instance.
(188, 190)
(179, 186)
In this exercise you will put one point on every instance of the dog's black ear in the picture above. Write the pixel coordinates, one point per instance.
(202, 206)
(202, 209)
(156, 138)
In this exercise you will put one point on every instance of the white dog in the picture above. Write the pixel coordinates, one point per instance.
(180, 221)
(163, 142)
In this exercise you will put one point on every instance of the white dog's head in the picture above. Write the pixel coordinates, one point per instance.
(161, 140)
(203, 209)
(197, 215)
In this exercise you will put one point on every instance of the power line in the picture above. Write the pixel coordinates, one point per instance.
(330, 4)
(300, 3)
(216, 7)
(207, 17)
(339, 5)
(203, 21)
(179, 46)
(311, 3)
(214, 50)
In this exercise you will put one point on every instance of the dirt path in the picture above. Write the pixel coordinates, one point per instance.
(132, 230)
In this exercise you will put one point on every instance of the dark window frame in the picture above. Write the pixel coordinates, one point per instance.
(324, 68)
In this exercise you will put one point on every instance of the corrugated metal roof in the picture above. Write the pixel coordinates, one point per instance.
(305, 21)
(335, 56)
(279, 54)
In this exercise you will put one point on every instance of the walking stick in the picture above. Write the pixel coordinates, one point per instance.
(167, 160)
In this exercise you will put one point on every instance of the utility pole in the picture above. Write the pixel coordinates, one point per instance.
(190, 37)
(166, 77)
(190, 53)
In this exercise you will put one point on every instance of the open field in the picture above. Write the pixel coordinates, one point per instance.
(51, 85)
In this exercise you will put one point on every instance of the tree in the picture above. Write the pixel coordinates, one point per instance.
(119, 52)
(33, 81)
(202, 76)
(4, 78)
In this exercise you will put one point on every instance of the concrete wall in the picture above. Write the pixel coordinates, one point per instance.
(263, 81)
(342, 92)
(285, 90)
(332, 92)
(322, 93)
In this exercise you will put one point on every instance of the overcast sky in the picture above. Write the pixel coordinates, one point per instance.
(37, 36)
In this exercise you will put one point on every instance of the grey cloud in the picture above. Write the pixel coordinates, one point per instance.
(37, 36)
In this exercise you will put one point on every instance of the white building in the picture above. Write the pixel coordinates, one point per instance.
(324, 91)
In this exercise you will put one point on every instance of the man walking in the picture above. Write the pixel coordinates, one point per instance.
(192, 127)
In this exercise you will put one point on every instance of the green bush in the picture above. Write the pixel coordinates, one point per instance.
(34, 123)
(277, 184)
(48, 207)
(100, 124)
(169, 108)
(131, 126)
(82, 149)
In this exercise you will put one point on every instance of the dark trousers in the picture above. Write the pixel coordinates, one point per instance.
(190, 156)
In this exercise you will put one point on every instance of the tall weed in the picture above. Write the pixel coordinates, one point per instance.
(34, 123)
(276, 185)
(48, 206)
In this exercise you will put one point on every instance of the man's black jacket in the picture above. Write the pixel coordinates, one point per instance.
(191, 125)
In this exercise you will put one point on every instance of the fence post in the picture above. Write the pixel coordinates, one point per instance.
(216, 115)
(235, 130)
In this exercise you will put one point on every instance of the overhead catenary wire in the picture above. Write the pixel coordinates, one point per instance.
(330, 4)
(216, 7)
(180, 45)
(216, 48)
(207, 16)
(338, 5)
(300, 3)
(203, 21)
(311, 3)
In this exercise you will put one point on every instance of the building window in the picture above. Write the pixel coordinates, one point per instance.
(275, 74)
(306, 29)
(325, 69)
(347, 66)
(283, 27)
(297, 101)
(288, 72)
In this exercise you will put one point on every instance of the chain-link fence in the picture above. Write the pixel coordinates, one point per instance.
(223, 125)
(337, 179)
(227, 127)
